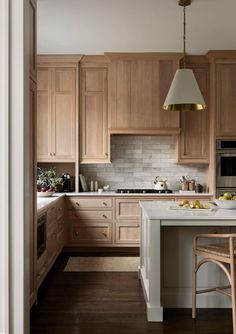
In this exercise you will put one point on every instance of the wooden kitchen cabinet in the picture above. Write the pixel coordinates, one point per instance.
(137, 87)
(127, 232)
(57, 108)
(225, 99)
(193, 141)
(90, 221)
(55, 238)
(126, 222)
(93, 114)
(91, 233)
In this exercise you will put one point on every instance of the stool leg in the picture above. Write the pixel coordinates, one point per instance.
(194, 279)
(233, 290)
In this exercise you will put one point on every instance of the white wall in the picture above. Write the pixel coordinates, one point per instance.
(95, 26)
(4, 158)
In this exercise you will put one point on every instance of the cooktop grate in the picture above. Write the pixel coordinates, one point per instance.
(143, 191)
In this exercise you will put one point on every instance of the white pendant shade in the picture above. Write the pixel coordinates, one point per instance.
(184, 93)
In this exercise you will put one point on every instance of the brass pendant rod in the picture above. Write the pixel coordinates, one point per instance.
(184, 37)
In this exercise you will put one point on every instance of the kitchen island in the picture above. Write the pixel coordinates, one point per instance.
(166, 257)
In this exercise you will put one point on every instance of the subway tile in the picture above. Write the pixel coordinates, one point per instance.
(137, 160)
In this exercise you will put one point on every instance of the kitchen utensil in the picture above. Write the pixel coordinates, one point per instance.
(160, 183)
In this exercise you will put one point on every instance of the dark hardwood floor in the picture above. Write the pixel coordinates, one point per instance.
(111, 303)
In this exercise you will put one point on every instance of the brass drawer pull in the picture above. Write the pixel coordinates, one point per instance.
(104, 216)
(104, 203)
(77, 203)
(104, 234)
(76, 233)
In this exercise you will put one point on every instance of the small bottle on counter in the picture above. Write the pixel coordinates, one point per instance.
(96, 185)
(91, 186)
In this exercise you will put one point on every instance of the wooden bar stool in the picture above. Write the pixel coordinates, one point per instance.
(223, 255)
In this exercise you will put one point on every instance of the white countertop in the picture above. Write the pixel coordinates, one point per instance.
(43, 202)
(156, 210)
(113, 193)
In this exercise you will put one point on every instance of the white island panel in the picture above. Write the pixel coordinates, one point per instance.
(166, 256)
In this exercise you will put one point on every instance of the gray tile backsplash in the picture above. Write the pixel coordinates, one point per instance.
(137, 160)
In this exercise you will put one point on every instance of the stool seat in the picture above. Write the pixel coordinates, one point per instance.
(222, 254)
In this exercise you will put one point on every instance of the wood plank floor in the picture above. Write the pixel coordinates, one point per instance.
(111, 303)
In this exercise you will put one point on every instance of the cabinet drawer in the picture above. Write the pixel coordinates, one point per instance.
(127, 233)
(91, 233)
(81, 203)
(88, 214)
(127, 208)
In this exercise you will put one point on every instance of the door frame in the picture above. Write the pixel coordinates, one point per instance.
(14, 97)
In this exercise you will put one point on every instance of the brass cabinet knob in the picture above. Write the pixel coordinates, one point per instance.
(54, 153)
(76, 233)
(106, 154)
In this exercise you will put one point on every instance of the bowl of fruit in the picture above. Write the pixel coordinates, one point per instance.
(45, 192)
(226, 201)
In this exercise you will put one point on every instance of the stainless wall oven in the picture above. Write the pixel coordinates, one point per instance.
(226, 164)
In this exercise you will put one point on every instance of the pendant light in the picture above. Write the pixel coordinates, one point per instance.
(184, 93)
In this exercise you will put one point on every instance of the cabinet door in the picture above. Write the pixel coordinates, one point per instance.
(52, 244)
(56, 114)
(226, 99)
(193, 142)
(64, 116)
(91, 233)
(136, 92)
(127, 209)
(44, 114)
(127, 233)
(93, 130)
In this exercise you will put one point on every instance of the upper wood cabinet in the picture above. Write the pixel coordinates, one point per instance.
(94, 145)
(137, 87)
(57, 110)
(193, 141)
(224, 94)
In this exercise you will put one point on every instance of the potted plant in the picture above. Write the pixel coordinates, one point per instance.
(47, 181)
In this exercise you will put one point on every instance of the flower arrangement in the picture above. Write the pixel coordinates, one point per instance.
(47, 179)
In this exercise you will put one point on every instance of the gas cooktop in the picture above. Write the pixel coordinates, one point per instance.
(143, 191)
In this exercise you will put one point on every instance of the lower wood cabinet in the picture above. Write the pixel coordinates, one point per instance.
(89, 221)
(107, 221)
(55, 239)
(127, 232)
(91, 233)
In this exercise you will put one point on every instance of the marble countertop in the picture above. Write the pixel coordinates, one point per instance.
(162, 211)
(113, 193)
(43, 202)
